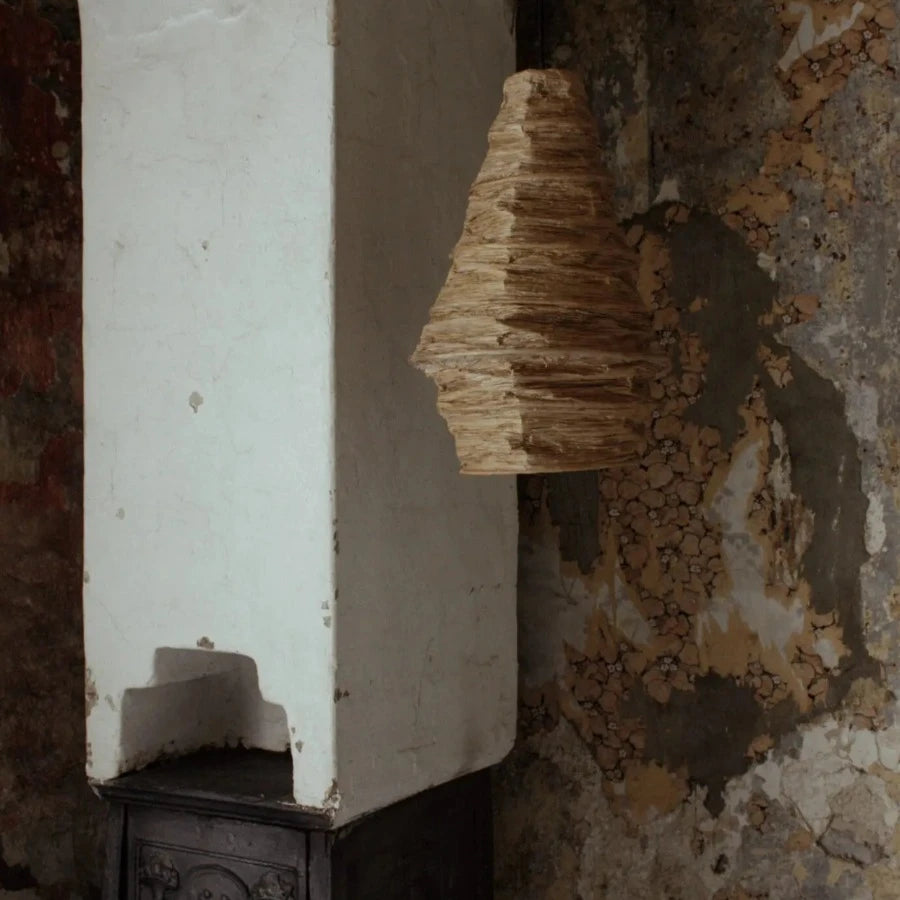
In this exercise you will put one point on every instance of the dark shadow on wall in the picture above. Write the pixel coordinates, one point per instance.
(199, 699)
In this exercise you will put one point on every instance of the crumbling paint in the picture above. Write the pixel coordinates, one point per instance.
(91, 697)
(709, 639)
(49, 822)
(703, 590)
(332, 799)
(816, 26)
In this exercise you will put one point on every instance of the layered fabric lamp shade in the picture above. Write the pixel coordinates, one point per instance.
(540, 346)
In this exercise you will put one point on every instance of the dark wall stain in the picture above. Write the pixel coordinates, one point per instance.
(706, 732)
(573, 498)
(708, 729)
(827, 474)
(711, 99)
(724, 272)
(825, 456)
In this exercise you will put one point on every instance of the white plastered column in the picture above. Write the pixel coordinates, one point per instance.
(278, 549)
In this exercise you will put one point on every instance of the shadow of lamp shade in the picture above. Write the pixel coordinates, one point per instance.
(541, 348)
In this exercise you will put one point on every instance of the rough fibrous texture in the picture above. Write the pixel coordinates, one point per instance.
(539, 342)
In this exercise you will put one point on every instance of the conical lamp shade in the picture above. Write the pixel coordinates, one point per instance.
(540, 346)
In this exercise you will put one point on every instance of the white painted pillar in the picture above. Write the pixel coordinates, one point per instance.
(278, 547)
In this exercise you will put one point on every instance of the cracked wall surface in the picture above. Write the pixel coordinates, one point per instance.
(708, 640)
(49, 822)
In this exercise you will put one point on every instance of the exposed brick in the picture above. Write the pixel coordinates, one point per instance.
(49, 822)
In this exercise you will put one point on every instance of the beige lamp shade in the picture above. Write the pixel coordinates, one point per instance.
(541, 348)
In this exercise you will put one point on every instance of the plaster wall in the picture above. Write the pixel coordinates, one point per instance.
(709, 639)
(207, 336)
(276, 536)
(426, 559)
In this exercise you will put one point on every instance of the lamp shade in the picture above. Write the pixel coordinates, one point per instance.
(540, 346)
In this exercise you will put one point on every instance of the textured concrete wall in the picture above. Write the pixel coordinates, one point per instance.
(48, 819)
(708, 641)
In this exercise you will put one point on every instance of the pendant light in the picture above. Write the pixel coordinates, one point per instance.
(540, 346)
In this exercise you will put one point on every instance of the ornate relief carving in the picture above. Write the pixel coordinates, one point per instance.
(272, 887)
(158, 872)
(214, 883)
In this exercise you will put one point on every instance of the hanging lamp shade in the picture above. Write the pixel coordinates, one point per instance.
(540, 346)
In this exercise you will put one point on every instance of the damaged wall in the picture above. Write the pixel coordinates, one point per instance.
(708, 640)
(49, 822)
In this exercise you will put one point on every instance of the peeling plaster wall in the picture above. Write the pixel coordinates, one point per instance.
(49, 821)
(708, 640)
